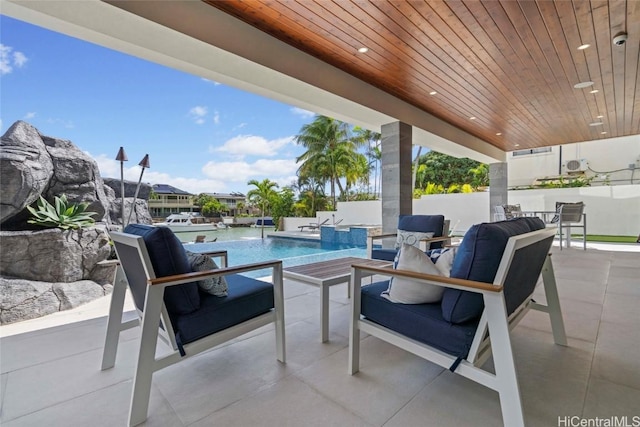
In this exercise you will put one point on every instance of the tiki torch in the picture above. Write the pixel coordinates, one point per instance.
(144, 163)
(121, 157)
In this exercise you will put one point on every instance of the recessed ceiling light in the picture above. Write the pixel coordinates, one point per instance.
(433, 92)
(582, 85)
(603, 133)
(363, 50)
(599, 117)
(594, 91)
(499, 133)
(472, 118)
(596, 124)
(516, 145)
(584, 46)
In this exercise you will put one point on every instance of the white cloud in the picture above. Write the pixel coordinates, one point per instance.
(19, 59)
(8, 60)
(216, 117)
(240, 126)
(275, 170)
(215, 83)
(68, 124)
(30, 115)
(305, 114)
(198, 113)
(252, 145)
(110, 168)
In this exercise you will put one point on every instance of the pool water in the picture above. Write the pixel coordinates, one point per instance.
(290, 251)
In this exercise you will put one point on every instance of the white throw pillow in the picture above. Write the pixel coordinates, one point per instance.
(412, 238)
(214, 285)
(410, 291)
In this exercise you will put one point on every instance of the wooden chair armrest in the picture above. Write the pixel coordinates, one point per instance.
(179, 279)
(462, 284)
(435, 239)
(382, 236)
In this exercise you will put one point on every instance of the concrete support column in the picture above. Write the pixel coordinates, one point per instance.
(396, 174)
(497, 186)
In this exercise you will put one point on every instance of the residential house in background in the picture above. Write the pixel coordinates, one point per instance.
(231, 201)
(166, 200)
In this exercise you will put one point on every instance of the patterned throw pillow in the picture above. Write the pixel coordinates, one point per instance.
(412, 238)
(443, 259)
(215, 285)
(408, 291)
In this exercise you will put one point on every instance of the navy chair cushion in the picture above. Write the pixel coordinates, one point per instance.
(168, 257)
(247, 298)
(384, 254)
(422, 322)
(423, 223)
(478, 258)
(417, 223)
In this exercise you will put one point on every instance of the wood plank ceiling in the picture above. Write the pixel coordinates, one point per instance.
(503, 71)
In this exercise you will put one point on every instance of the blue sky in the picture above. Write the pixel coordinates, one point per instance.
(201, 136)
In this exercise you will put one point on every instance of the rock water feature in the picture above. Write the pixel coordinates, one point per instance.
(47, 270)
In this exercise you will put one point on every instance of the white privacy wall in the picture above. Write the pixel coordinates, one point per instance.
(602, 156)
(611, 210)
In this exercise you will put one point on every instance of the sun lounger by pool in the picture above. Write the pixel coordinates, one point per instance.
(313, 226)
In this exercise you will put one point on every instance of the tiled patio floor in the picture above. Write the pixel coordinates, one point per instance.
(52, 377)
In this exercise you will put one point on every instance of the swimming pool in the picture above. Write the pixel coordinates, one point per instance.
(290, 251)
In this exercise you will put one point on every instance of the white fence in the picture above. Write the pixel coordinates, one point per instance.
(613, 211)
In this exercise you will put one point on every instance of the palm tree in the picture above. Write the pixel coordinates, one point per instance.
(374, 153)
(359, 171)
(330, 151)
(261, 195)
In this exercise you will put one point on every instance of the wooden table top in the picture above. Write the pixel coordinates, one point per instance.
(332, 270)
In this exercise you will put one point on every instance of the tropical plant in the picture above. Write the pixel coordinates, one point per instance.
(311, 196)
(282, 205)
(446, 170)
(480, 176)
(433, 188)
(64, 215)
(209, 205)
(466, 188)
(331, 151)
(262, 196)
(374, 153)
(358, 173)
(212, 207)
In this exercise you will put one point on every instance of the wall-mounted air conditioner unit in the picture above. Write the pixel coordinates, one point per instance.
(574, 166)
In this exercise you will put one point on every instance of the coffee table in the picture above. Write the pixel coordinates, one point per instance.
(325, 274)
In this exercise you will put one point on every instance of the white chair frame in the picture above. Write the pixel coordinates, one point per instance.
(494, 320)
(155, 313)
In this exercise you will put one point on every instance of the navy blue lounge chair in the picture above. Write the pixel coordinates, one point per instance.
(173, 308)
(436, 225)
(494, 273)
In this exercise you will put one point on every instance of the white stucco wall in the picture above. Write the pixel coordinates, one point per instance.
(600, 155)
(611, 210)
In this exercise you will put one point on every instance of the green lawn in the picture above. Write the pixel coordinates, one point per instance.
(611, 239)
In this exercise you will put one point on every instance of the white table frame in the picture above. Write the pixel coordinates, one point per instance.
(325, 274)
